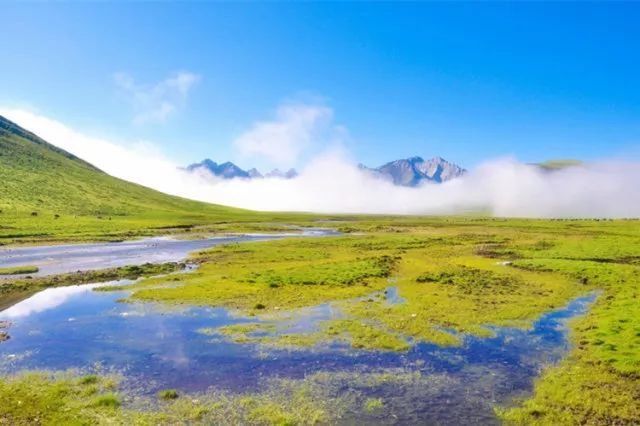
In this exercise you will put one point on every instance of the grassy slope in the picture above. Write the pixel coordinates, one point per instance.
(47, 193)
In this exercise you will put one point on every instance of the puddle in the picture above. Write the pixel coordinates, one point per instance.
(392, 296)
(156, 348)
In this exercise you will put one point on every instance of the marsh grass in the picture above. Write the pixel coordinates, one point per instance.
(168, 394)
(63, 398)
(373, 404)
(17, 270)
(108, 400)
(15, 289)
(457, 274)
(441, 282)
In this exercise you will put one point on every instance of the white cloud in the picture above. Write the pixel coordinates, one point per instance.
(502, 187)
(332, 183)
(45, 300)
(295, 128)
(156, 103)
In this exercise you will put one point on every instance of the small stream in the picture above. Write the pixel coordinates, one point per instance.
(60, 259)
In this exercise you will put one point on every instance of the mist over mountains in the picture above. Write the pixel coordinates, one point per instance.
(408, 172)
(332, 183)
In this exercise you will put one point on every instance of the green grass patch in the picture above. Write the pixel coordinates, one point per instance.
(443, 283)
(17, 270)
(42, 398)
(373, 404)
(108, 400)
(168, 394)
(62, 398)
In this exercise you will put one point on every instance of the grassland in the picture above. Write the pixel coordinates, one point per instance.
(551, 165)
(443, 281)
(454, 275)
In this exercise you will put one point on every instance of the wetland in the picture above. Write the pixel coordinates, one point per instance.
(394, 322)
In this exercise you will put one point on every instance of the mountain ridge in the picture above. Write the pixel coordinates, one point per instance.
(413, 171)
(8, 128)
(229, 170)
(410, 171)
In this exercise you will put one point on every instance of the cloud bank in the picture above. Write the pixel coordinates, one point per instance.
(157, 102)
(295, 128)
(332, 183)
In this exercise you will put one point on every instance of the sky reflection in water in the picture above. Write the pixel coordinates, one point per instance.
(76, 327)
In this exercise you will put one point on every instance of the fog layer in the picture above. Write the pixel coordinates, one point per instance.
(332, 183)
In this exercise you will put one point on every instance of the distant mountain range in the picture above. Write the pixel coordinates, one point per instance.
(405, 172)
(229, 170)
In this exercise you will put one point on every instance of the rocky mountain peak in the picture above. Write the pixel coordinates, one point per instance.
(412, 171)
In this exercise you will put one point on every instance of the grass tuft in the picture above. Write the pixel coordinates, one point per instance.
(107, 400)
(168, 394)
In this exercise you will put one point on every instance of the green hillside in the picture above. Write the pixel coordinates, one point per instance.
(551, 165)
(48, 193)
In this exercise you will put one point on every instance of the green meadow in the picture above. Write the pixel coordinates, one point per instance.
(459, 274)
(454, 273)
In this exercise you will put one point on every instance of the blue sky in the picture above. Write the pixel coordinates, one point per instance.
(464, 81)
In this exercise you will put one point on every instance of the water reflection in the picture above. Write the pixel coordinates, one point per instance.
(45, 300)
(162, 349)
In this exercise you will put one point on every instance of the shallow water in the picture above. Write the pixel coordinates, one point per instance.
(59, 259)
(76, 327)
